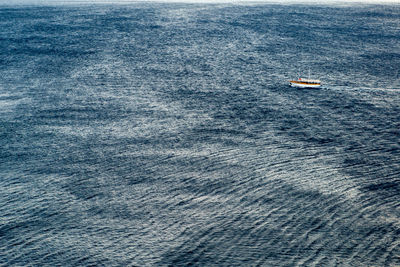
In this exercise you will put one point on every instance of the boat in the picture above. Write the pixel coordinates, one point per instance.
(305, 83)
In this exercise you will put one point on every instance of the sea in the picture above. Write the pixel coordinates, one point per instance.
(166, 134)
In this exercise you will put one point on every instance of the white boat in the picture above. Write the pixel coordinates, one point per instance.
(305, 83)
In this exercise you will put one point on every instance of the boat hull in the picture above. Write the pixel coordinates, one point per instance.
(304, 85)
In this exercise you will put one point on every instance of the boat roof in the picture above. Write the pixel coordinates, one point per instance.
(309, 80)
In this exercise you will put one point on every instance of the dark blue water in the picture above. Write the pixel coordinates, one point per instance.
(166, 134)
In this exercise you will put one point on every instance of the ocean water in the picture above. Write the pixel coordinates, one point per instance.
(167, 135)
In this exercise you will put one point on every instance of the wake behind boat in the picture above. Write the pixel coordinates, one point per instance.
(305, 83)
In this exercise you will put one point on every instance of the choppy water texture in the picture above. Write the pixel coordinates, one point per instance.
(166, 134)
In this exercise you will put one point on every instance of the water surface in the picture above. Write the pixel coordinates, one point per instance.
(166, 134)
